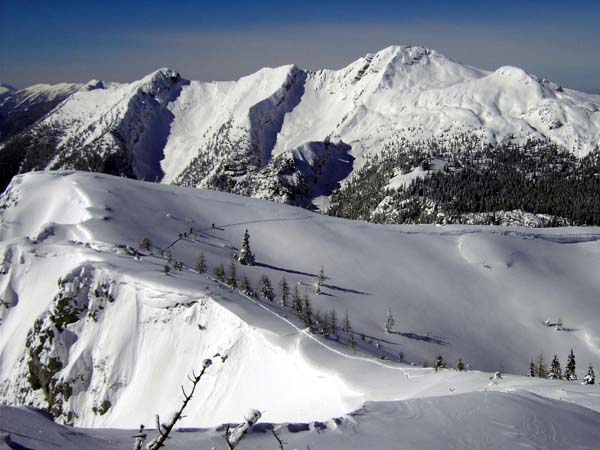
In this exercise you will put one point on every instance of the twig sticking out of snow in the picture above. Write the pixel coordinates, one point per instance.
(165, 429)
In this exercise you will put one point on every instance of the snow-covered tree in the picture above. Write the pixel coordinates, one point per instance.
(219, 273)
(590, 377)
(460, 366)
(389, 321)
(296, 301)
(145, 244)
(246, 257)
(246, 287)
(265, 288)
(542, 368)
(555, 370)
(333, 325)
(284, 292)
(319, 281)
(346, 323)
(307, 312)
(201, 263)
(532, 369)
(570, 367)
(352, 342)
(232, 275)
(166, 269)
(439, 363)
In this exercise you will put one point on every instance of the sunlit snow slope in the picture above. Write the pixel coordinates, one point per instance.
(96, 332)
(292, 135)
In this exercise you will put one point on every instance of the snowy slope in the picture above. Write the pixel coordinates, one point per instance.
(24, 107)
(254, 136)
(103, 337)
(5, 89)
(467, 421)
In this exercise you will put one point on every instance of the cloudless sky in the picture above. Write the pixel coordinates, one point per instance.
(62, 40)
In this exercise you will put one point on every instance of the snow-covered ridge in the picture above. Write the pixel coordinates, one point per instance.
(223, 134)
(89, 325)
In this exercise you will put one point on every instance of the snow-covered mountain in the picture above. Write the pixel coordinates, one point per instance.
(5, 89)
(292, 135)
(96, 330)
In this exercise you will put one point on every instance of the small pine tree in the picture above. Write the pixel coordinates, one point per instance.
(166, 269)
(542, 368)
(307, 312)
(232, 275)
(319, 281)
(590, 377)
(145, 244)
(333, 325)
(532, 369)
(246, 257)
(389, 322)
(346, 323)
(439, 363)
(570, 368)
(352, 342)
(246, 287)
(296, 301)
(201, 263)
(460, 366)
(219, 273)
(265, 288)
(555, 370)
(284, 292)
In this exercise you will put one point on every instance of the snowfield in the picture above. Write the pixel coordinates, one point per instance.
(289, 134)
(94, 330)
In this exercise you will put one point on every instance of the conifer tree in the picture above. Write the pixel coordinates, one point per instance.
(555, 370)
(590, 377)
(246, 257)
(320, 280)
(307, 313)
(219, 273)
(201, 263)
(166, 269)
(232, 275)
(145, 244)
(389, 321)
(532, 369)
(439, 363)
(333, 322)
(246, 287)
(284, 292)
(542, 368)
(265, 288)
(346, 323)
(570, 368)
(460, 366)
(352, 342)
(296, 301)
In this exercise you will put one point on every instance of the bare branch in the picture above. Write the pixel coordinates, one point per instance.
(279, 441)
(165, 429)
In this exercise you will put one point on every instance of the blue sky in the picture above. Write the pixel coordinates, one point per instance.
(123, 40)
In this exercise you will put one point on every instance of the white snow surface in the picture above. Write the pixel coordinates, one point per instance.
(401, 92)
(489, 420)
(478, 293)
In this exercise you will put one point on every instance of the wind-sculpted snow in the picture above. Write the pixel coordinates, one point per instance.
(465, 422)
(94, 330)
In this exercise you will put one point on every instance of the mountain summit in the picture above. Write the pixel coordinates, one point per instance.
(286, 133)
